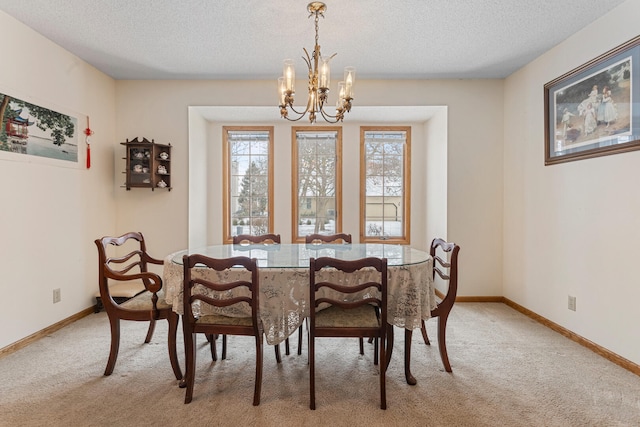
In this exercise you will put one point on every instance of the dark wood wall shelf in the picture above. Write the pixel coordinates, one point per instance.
(148, 164)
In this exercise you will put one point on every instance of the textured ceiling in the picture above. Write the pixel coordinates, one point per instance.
(248, 39)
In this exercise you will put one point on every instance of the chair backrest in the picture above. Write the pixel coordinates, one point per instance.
(328, 238)
(445, 265)
(263, 238)
(217, 294)
(354, 293)
(131, 266)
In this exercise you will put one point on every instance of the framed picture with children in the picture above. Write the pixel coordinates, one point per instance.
(590, 111)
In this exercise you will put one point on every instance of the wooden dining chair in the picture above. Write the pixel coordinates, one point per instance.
(262, 238)
(207, 293)
(328, 238)
(241, 239)
(351, 311)
(445, 265)
(320, 239)
(148, 306)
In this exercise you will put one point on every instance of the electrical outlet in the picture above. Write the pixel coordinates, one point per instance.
(572, 303)
(56, 295)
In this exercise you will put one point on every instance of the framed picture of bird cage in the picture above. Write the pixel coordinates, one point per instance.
(593, 110)
(29, 131)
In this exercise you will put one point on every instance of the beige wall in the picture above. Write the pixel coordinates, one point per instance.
(572, 228)
(50, 214)
(436, 180)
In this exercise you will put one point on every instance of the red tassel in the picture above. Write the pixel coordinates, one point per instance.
(88, 132)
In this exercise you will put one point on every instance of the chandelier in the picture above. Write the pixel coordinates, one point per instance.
(319, 76)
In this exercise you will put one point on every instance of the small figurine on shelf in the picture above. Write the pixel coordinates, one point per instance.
(164, 155)
(162, 184)
(137, 168)
(162, 169)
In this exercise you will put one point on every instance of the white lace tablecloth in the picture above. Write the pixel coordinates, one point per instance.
(284, 295)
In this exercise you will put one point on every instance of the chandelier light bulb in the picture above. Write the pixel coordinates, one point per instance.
(349, 79)
(289, 74)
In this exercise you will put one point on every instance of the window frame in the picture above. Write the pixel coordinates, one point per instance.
(226, 178)
(294, 177)
(406, 184)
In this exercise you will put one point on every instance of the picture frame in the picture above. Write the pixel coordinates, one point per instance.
(33, 131)
(593, 110)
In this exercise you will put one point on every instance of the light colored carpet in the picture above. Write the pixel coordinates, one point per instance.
(508, 370)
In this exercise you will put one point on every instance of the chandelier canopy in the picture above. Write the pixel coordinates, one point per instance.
(319, 79)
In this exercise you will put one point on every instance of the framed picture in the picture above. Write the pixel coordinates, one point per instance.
(593, 110)
(31, 132)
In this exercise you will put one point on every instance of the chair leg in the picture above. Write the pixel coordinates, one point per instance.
(389, 344)
(300, 340)
(278, 357)
(258, 380)
(190, 357)
(312, 373)
(361, 341)
(173, 354)
(375, 351)
(224, 347)
(425, 337)
(286, 346)
(152, 327)
(212, 345)
(115, 345)
(383, 372)
(442, 342)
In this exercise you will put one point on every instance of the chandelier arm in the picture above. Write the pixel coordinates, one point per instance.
(328, 116)
(307, 59)
(294, 120)
(323, 112)
(329, 120)
(298, 112)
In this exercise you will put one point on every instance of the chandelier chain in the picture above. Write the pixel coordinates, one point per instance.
(316, 28)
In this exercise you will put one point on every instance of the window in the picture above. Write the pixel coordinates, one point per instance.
(316, 181)
(248, 181)
(385, 184)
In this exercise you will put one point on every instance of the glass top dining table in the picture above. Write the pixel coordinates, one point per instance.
(284, 282)
(298, 255)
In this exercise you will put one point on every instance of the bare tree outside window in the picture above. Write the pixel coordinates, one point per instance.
(317, 181)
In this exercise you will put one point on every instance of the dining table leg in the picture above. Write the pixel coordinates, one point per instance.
(408, 334)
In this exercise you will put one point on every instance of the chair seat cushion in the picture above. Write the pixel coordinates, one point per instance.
(217, 319)
(336, 317)
(143, 302)
(124, 289)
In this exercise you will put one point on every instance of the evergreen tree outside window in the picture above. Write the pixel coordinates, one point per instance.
(248, 181)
